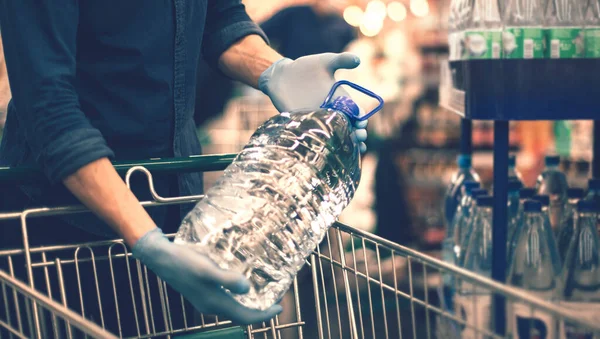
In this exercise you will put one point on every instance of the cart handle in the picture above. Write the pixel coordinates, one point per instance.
(195, 163)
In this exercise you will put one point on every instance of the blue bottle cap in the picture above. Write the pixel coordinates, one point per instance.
(532, 206)
(469, 186)
(512, 161)
(588, 206)
(594, 184)
(514, 185)
(526, 192)
(543, 199)
(575, 193)
(345, 105)
(464, 161)
(485, 201)
(475, 192)
(552, 160)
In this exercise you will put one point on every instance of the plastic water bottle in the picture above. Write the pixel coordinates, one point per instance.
(525, 194)
(535, 267)
(462, 233)
(564, 29)
(473, 301)
(483, 38)
(514, 213)
(454, 192)
(593, 194)
(553, 183)
(592, 30)
(275, 202)
(523, 36)
(565, 234)
(582, 271)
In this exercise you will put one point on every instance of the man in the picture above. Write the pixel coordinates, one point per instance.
(110, 79)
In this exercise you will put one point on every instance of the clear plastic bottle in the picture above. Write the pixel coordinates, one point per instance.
(535, 267)
(523, 36)
(592, 29)
(525, 193)
(483, 38)
(473, 301)
(565, 233)
(462, 232)
(553, 183)
(454, 192)
(514, 213)
(564, 23)
(582, 271)
(593, 194)
(276, 201)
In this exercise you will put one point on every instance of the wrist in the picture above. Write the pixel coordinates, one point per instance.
(266, 75)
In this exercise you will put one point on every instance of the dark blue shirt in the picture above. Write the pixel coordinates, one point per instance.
(108, 78)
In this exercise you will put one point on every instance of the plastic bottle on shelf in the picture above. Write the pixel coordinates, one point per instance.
(535, 267)
(453, 44)
(449, 247)
(523, 36)
(565, 233)
(483, 37)
(582, 271)
(514, 215)
(593, 194)
(553, 183)
(275, 202)
(462, 235)
(564, 23)
(454, 192)
(525, 193)
(513, 174)
(473, 301)
(592, 29)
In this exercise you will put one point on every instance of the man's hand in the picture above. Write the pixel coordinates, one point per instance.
(198, 279)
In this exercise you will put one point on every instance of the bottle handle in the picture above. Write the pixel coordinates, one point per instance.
(360, 89)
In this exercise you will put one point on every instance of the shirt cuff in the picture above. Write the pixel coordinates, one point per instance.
(218, 42)
(73, 150)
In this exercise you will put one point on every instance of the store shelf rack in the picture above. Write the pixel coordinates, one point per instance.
(505, 90)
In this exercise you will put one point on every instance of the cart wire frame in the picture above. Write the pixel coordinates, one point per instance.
(360, 286)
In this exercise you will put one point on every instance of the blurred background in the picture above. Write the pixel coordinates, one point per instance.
(413, 143)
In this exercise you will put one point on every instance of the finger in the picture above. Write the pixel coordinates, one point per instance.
(207, 270)
(362, 147)
(361, 134)
(361, 124)
(344, 60)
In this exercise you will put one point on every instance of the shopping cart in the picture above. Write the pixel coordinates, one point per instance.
(354, 285)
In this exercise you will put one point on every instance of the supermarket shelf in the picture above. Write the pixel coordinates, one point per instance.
(543, 89)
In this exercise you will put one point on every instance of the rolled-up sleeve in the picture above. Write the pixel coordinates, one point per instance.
(226, 23)
(40, 48)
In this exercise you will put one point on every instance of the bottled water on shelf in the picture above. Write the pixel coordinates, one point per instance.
(472, 301)
(275, 202)
(564, 23)
(523, 36)
(455, 191)
(514, 213)
(462, 232)
(565, 233)
(483, 37)
(553, 183)
(536, 267)
(513, 174)
(592, 29)
(582, 272)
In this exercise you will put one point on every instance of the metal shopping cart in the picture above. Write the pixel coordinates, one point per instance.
(355, 285)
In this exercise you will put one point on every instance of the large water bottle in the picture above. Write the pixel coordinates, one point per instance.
(553, 183)
(582, 271)
(454, 193)
(473, 301)
(565, 233)
(275, 202)
(536, 267)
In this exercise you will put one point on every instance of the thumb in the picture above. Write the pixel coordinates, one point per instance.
(344, 60)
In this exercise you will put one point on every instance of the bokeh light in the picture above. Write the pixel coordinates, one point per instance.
(396, 11)
(419, 8)
(371, 24)
(353, 15)
(377, 8)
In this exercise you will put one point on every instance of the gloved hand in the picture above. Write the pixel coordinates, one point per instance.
(303, 84)
(198, 278)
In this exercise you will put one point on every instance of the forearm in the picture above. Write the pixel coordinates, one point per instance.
(98, 186)
(247, 59)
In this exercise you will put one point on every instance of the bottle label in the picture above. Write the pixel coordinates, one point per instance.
(565, 43)
(475, 311)
(573, 331)
(528, 323)
(523, 43)
(483, 44)
(592, 42)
